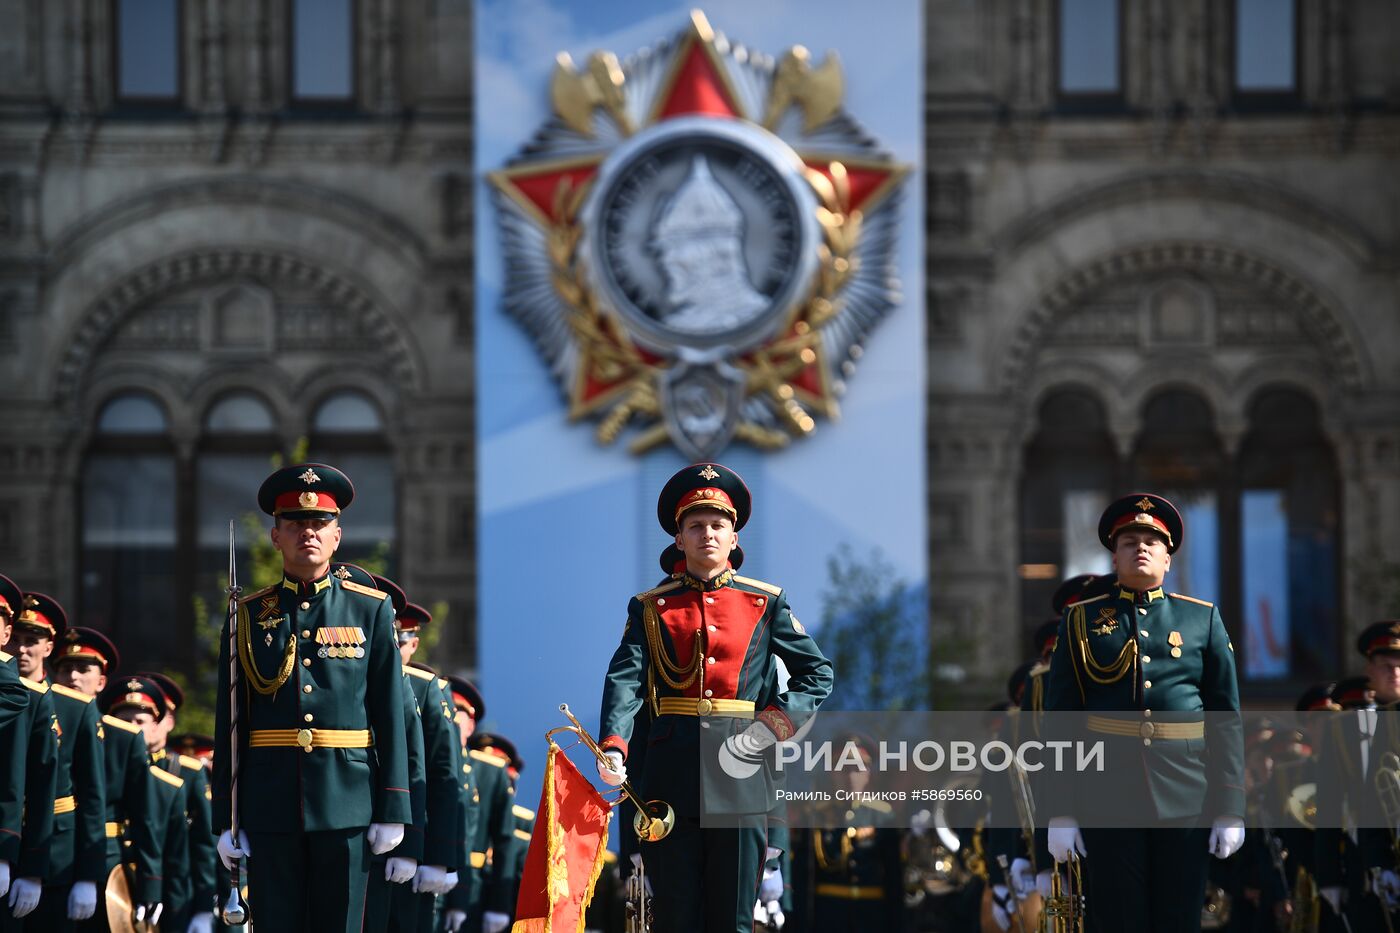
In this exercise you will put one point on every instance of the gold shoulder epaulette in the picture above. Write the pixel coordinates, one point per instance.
(1093, 599)
(6, 658)
(70, 693)
(759, 584)
(489, 758)
(36, 686)
(191, 762)
(1192, 599)
(442, 683)
(121, 724)
(524, 813)
(354, 587)
(666, 587)
(256, 593)
(419, 673)
(167, 777)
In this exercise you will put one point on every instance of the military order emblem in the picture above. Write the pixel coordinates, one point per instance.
(699, 241)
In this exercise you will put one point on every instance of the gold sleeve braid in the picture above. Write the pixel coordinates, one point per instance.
(255, 679)
(1099, 673)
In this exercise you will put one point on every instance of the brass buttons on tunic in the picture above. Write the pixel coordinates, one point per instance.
(305, 604)
(304, 739)
(306, 689)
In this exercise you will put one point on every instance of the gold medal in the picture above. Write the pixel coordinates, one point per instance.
(1176, 652)
(1175, 640)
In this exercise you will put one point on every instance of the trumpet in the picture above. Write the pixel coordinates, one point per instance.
(1064, 908)
(655, 818)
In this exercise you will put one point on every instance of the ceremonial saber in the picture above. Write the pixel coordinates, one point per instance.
(235, 912)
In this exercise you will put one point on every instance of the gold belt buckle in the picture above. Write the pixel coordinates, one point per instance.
(304, 739)
(703, 707)
(1147, 730)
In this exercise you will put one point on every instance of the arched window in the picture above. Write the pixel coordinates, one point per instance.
(235, 455)
(1288, 534)
(129, 526)
(347, 430)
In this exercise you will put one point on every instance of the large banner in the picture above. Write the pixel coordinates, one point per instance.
(699, 237)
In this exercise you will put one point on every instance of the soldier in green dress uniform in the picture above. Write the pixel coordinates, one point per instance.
(441, 868)
(28, 770)
(196, 915)
(701, 650)
(323, 760)
(464, 900)
(1127, 658)
(78, 852)
(506, 857)
(82, 661)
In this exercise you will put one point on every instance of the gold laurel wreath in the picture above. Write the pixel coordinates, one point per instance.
(608, 354)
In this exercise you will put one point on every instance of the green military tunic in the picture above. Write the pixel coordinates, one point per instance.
(1147, 659)
(507, 867)
(487, 827)
(132, 811)
(79, 845)
(394, 906)
(322, 747)
(173, 827)
(198, 873)
(14, 696)
(849, 878)
(442, 763)
(28, 771)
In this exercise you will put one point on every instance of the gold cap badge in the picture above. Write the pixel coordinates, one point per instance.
(309, 477)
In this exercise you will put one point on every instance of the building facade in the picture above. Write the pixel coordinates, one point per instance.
(1163, 251)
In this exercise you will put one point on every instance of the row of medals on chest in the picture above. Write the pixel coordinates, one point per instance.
(336, 641)
(1108, 622)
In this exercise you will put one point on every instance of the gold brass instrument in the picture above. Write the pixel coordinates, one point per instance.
(1017, 920)
(1064, 909)
(1307, 904)
(638, 917)
(655, 818)
(1215, 909)
(1302, 805)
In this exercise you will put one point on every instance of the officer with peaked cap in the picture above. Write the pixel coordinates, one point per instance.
(701, 650)
(28, 770)
(1352, 746)
(323, 759)
(1144, 664)
(83, 660)
(465, 900)
(78, 855)
(193, 912)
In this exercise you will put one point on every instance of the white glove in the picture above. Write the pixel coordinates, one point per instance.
(1064, 837)
(1388, 885)
(920, 822)
(82, 900)
(1226, 836)
(775, 915)
(1332, 894)
(771, 887)
(455, 919)
(429, 879)
(1022, 877)
(24, 896)
(149, 913)
(452, 879)
(771, 853)
(614, 772)
(4, 877)
(383, 837)
(752, 741)
(1042, 884)
(229, 851)
(1001, 906)
(201, 923)
(492, 922)
(398, 870)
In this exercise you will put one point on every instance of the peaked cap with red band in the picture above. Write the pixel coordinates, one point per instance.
(1379, 637)
(465, 696)
(1045, 636)
(134, 692)
(1353, 692)
(193, 744)
(413, 617)
(86, 644)
(1142, 510)
(307, 490)
(1317, 697)
(174, 695)
(494, 742)
(703, 485)
(397, 596)
(42, 614)
(11, 598)
(1069, 592)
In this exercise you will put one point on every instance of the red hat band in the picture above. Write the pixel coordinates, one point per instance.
(38, 619)
(305, 501)
(707, 497)
(1141, 519)
(82, 651)
(142, 700)
(463, 703)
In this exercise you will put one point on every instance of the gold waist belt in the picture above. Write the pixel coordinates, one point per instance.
(687, 706)
(852, 892)
(478, 860)
(114, 830)
(307, 739)
(1147, 729)
(64, 805)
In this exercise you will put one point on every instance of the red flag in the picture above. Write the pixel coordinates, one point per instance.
(566, 851)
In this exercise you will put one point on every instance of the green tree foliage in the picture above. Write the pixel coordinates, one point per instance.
(873, 630)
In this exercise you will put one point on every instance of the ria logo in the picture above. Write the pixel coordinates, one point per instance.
(698, 242)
